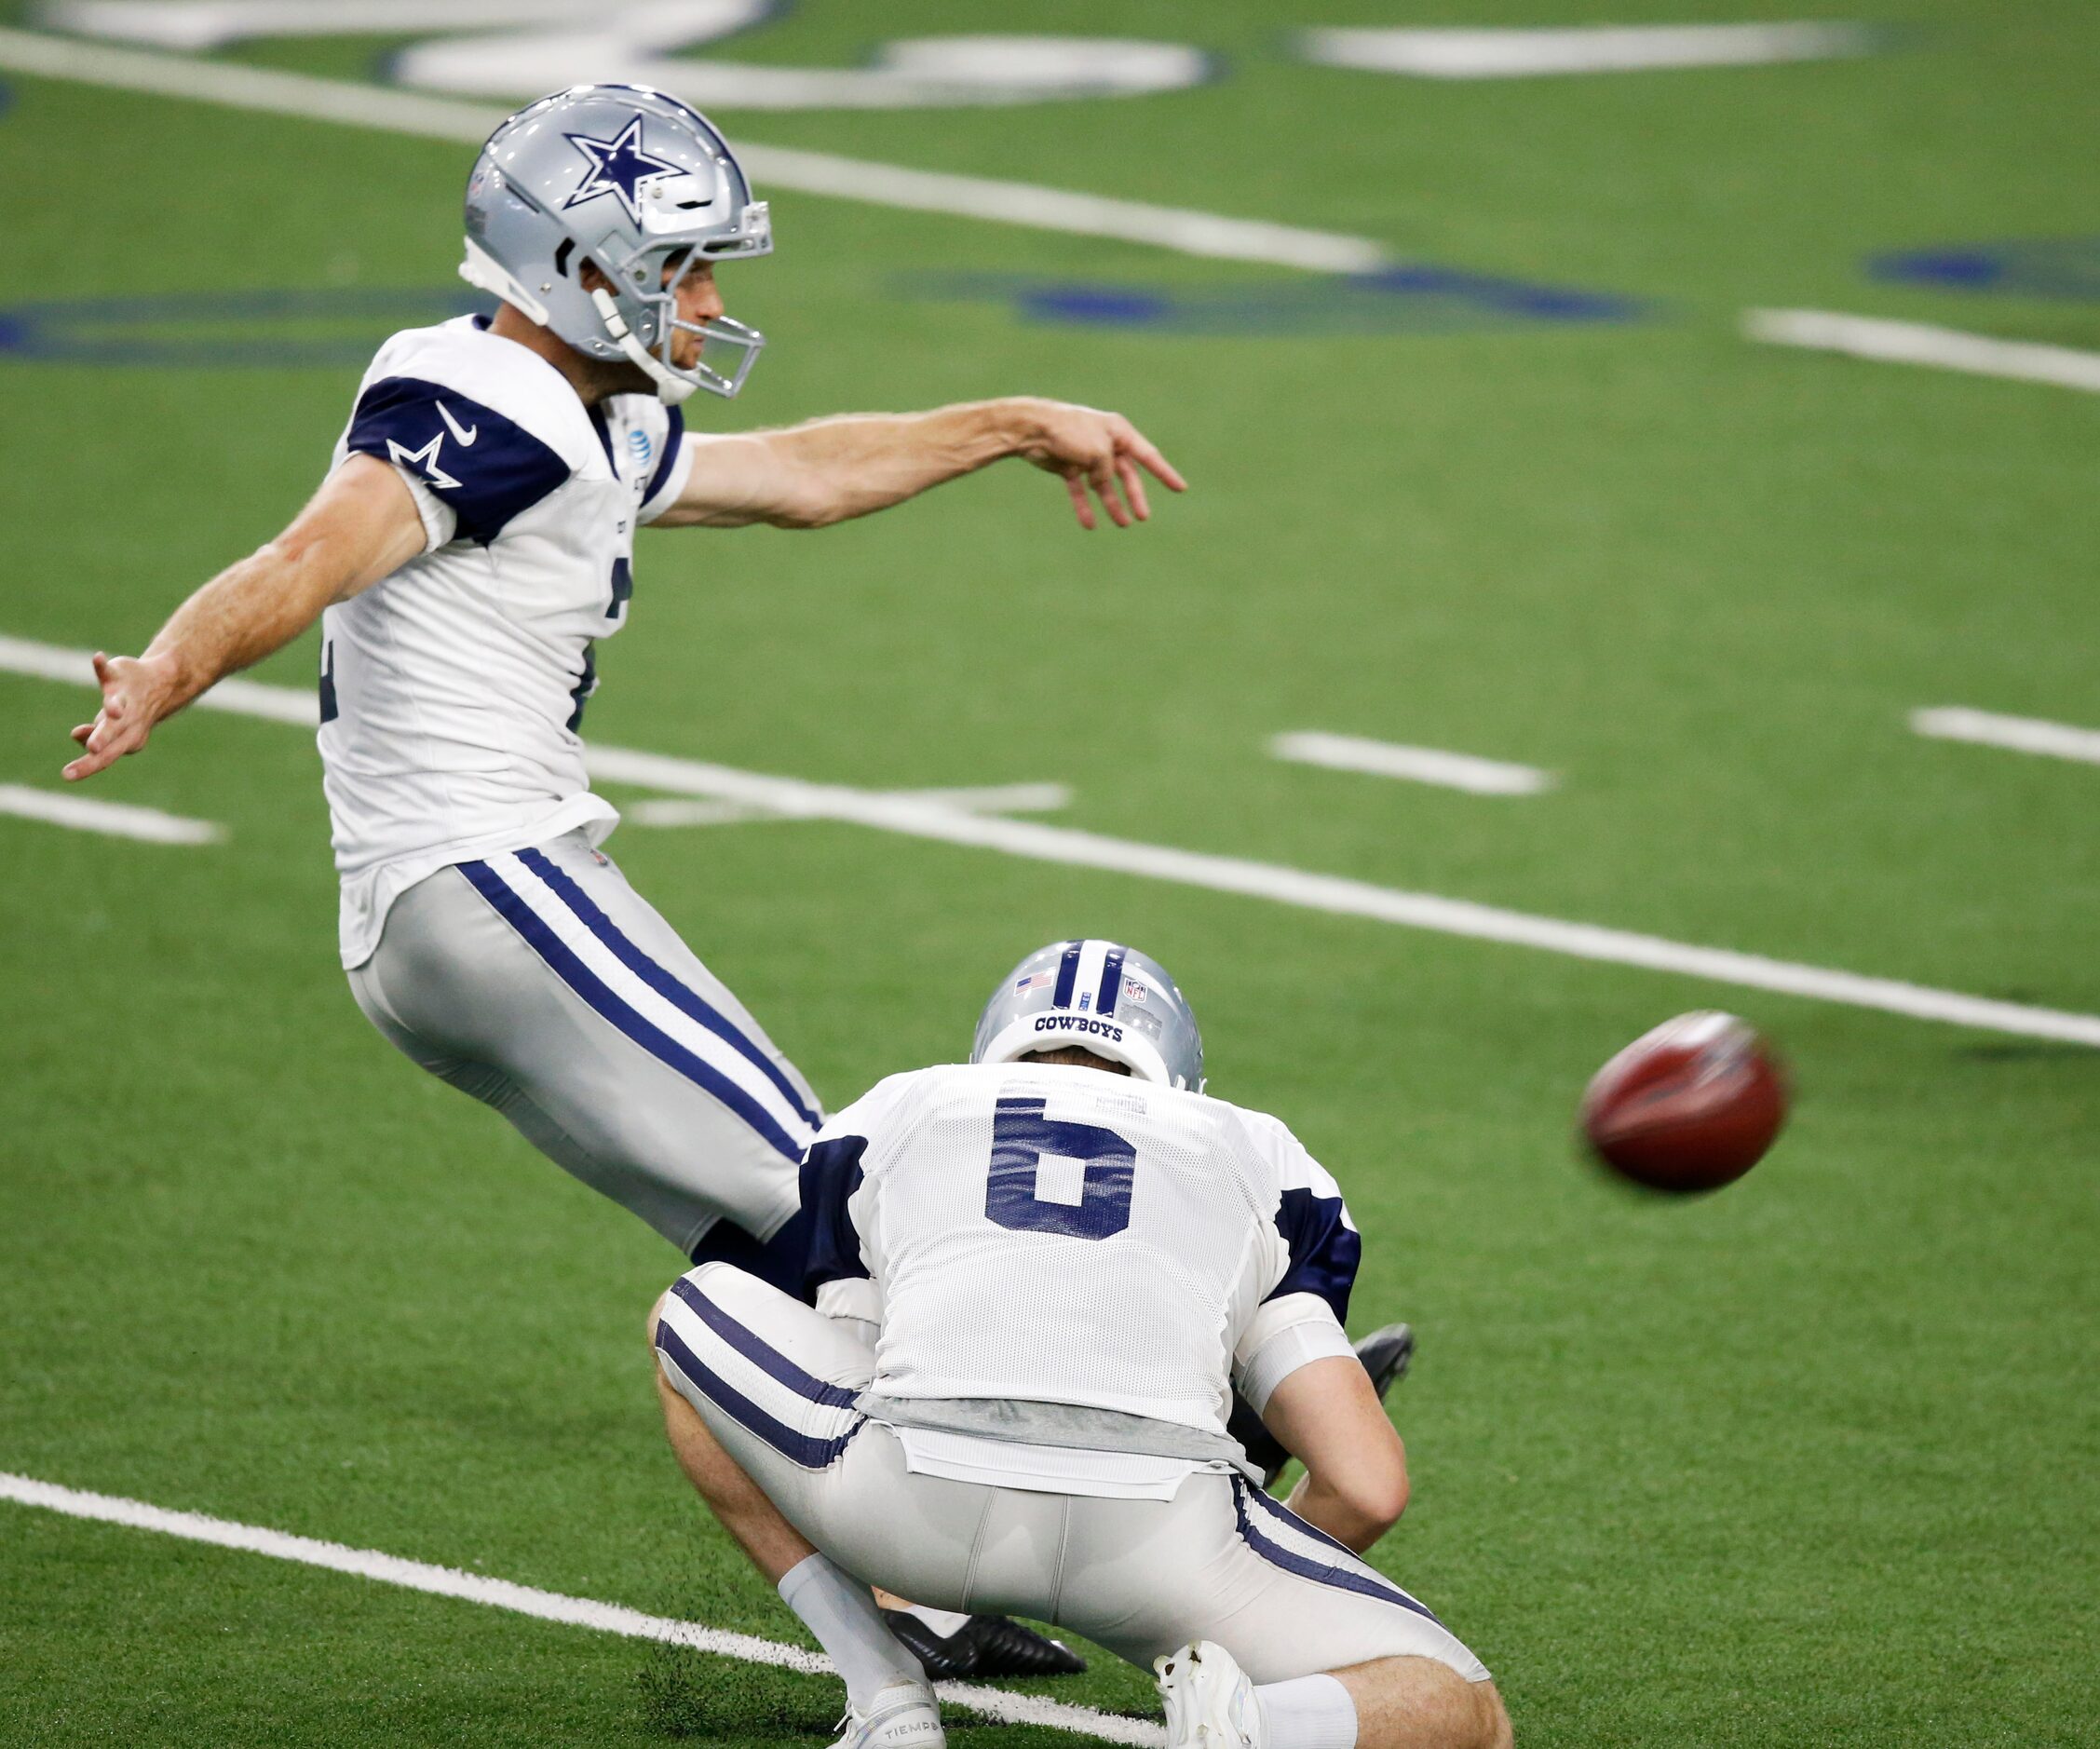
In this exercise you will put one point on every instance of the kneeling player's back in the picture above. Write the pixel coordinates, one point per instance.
(1044, 1233)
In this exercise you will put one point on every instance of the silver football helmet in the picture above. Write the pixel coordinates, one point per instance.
(635, 182)
(1103, 996)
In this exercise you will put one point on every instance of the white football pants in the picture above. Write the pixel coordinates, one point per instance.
(545, 986)
(775, 1383)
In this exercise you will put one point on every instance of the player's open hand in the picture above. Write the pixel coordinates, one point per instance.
(1096, 452)
(135, 694)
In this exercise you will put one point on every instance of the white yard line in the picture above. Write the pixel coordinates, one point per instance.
(2022, 733)
(659, 811)
(241, 698)
(215, 23)
(1418, 765)
(994, 798)
(1203, 234)
(1526, 53)
(1331, 893)
(271, 93)
(1920, 343)
(548, 1605)
(113, 820)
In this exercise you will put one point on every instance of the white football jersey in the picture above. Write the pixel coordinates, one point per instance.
(450, 692)
(1041, 1234)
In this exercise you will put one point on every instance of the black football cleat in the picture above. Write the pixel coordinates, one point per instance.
(1387, 1354)
(985, 1645)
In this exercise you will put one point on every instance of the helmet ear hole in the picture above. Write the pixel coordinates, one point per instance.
(562, 256)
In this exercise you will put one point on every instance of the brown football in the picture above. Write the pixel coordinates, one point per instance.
(1691, 1105)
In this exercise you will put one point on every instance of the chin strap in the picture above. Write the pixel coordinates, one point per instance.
(671, 388)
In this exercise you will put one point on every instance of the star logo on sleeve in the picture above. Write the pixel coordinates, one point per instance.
(424, 458)
(618, 165)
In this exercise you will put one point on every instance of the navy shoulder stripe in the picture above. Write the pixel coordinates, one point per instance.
(487, 468)
(674, 437)
(830, 1174)
(1325, 1250)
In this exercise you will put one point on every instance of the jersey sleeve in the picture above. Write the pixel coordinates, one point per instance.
(674, 467)
(440, 527)
(1286, 1332)
(482, 468)
(836, 1195)
(1322, 1248)
(831, 1176)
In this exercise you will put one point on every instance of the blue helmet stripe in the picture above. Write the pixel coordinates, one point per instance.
(1067, 975)
(1111, 983)
(1102, 995)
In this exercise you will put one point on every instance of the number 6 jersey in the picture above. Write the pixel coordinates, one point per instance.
(1060, 1257)
(451, 691)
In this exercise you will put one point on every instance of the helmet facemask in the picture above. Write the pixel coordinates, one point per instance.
(641, 318)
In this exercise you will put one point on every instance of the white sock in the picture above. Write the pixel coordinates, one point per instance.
(840, 1612)
(945, 1622)
(1307, 1712)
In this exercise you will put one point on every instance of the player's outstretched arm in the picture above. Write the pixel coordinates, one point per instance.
(361, 525)
(1328, 1413)
(829, 470)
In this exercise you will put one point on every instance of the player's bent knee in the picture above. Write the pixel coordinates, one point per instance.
(1494, 1729)
(1501, 1733)
(1487, 1724)
(1424, 1702)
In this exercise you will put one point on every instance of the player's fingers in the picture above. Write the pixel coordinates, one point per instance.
(81, 731)
(1115, 496)
(87, 764)
(1104, 479)
(111, 736)
(1078, 488)
(102, 668)
(1161, 468)
(1133, 487)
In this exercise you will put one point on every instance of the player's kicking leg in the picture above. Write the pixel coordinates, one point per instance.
(545, 986)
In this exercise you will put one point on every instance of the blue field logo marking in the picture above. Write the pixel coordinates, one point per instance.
(337, 326)
(330, 326)
(1408, 299)
(2064, 268)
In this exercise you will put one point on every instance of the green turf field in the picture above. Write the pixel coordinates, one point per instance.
(1810, 1461)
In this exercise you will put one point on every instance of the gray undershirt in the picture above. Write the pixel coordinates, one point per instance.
(1067, 1425)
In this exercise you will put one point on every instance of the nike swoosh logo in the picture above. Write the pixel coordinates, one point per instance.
(466, 435)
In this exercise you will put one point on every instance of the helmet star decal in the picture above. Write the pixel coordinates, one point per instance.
(618, 165)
